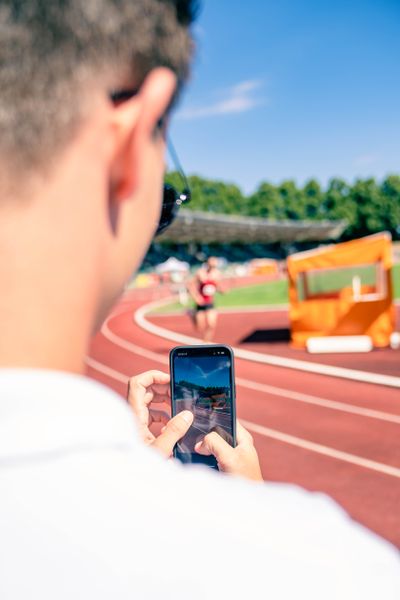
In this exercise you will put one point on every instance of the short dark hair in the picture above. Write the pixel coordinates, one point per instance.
(52, 52)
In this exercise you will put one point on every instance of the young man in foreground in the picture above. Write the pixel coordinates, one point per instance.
(86, 510)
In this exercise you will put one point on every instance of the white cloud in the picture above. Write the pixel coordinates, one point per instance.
(240, 98)
(223, 364)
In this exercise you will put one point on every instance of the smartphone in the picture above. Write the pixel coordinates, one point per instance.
(202, 381)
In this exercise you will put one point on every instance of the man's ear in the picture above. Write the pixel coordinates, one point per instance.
(134, 122)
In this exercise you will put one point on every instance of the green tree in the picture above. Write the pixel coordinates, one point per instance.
(312, 200)
(367, 206)
(209, 195)
(390, 205)
(266, 202)
(292, 200)
(339, 204)
(366, 196)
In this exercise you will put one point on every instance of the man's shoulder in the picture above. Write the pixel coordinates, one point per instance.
(280, 527)
(146, 517)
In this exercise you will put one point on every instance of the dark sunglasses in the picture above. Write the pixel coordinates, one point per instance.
(172, 199)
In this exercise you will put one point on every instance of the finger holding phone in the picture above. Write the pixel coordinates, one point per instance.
(149, 389)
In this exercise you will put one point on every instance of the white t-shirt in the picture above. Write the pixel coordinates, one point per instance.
(86, 511)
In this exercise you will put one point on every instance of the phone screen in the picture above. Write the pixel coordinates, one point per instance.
(202, 381)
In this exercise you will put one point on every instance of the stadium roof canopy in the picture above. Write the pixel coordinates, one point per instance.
(207, 228)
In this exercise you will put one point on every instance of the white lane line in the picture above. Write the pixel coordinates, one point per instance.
(101, 368)
(317, 401)
(279, 435)
(267, 359)
(252, 385)
(232, 310)
(129, 346)
(320, 449)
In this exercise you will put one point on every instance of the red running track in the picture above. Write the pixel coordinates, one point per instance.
(325, 434)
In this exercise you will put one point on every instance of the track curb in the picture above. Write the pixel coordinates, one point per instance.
(139, 318)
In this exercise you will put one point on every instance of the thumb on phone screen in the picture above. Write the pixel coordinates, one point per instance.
(173, 431)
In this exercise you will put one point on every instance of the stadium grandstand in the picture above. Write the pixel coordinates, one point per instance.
(197, 234)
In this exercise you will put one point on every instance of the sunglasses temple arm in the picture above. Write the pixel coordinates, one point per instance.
(177, 163)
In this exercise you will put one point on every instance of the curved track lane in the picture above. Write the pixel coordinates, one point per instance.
(326, 434)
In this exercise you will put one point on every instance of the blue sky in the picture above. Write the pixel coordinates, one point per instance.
(203, 371)
(293, 90)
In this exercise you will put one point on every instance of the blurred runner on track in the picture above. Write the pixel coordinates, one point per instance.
(202, 288)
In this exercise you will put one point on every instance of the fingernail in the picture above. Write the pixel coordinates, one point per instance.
(186, 416)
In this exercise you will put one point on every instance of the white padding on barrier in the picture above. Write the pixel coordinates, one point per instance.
(339, 343)
(395, 340)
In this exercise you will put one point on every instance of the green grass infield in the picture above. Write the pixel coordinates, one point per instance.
(258, 295)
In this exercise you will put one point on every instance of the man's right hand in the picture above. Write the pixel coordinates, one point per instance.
(145, 391)
(242, 460)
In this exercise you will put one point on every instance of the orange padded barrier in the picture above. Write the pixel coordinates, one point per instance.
(343, 289)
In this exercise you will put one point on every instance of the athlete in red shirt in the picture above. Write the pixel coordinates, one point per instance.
(203, 289)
